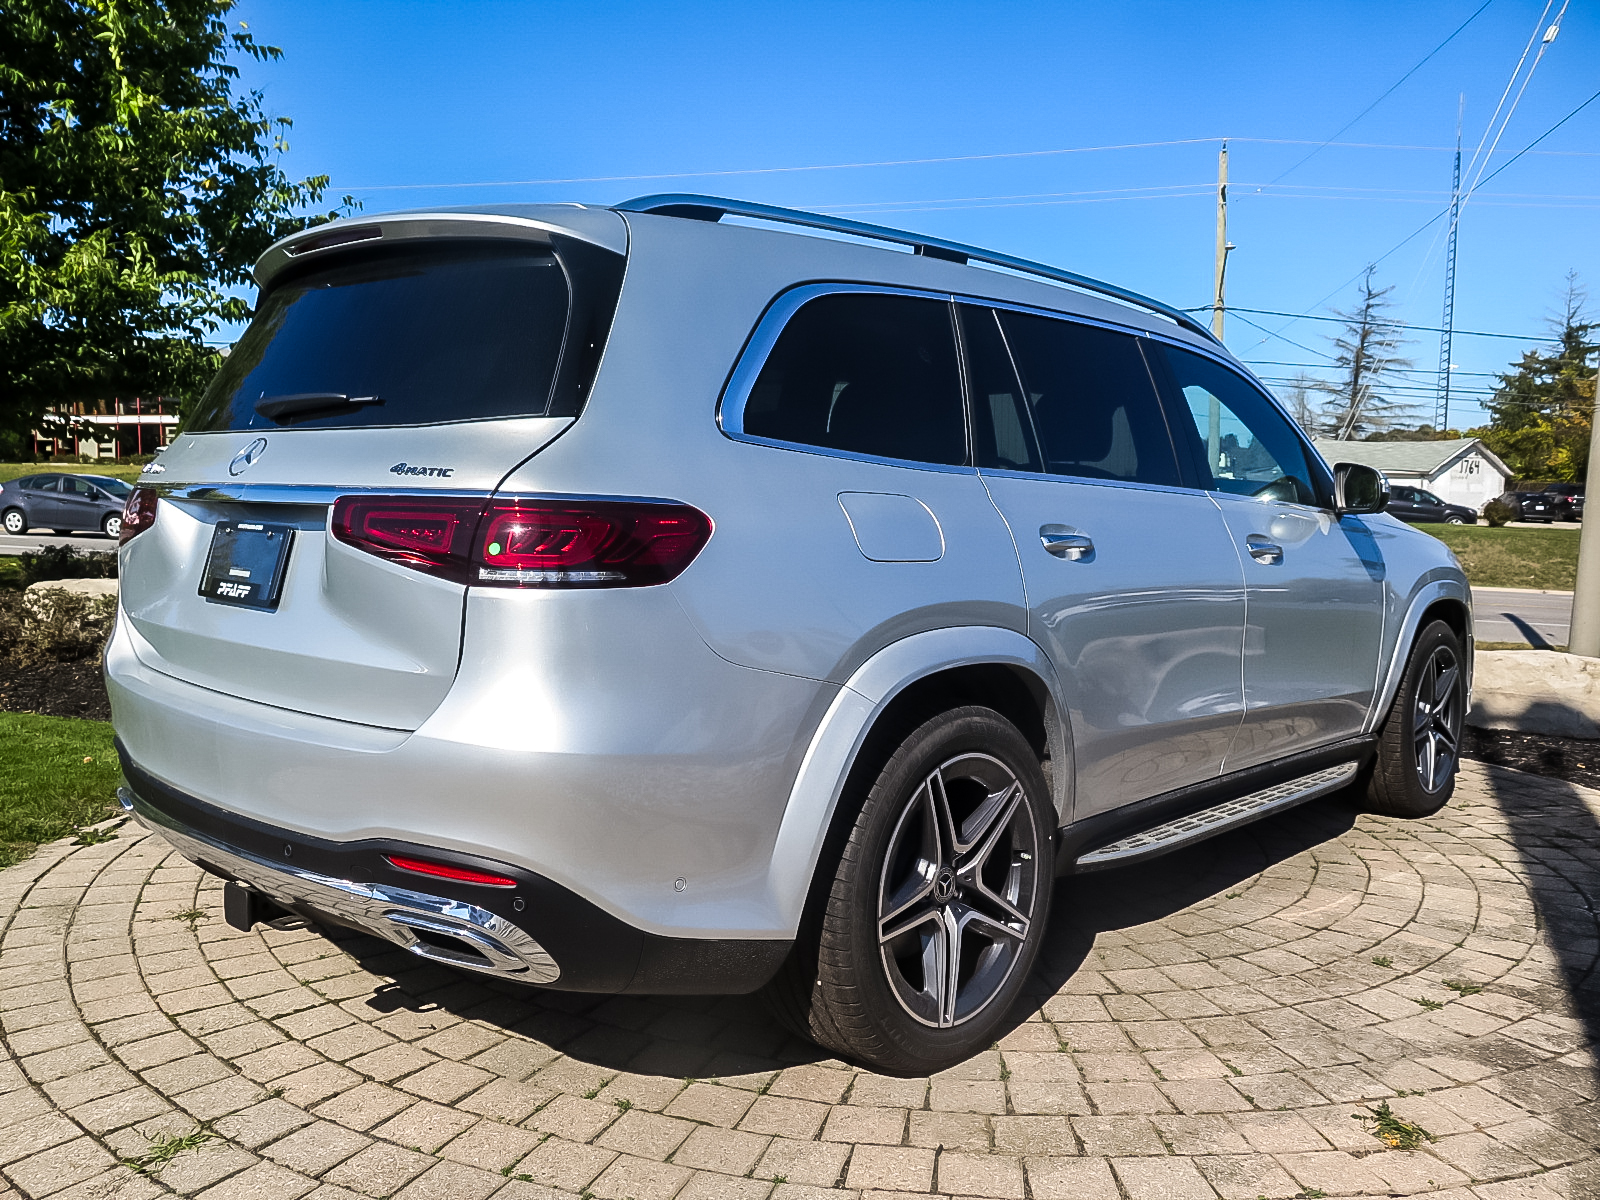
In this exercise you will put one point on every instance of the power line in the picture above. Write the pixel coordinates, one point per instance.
(915, 162)
(1353, 120)
(1269, 312)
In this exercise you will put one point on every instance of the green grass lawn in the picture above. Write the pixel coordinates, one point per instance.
(56, 774)
(130, 472)
(1517, 558)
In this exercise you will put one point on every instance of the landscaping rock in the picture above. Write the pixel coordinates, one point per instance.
(80, 587)
(1537, 691)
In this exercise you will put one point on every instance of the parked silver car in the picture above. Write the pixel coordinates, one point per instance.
(625, 600)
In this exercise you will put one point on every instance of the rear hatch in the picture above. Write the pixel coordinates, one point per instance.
(422, 355)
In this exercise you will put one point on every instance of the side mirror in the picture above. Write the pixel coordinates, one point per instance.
(1358, 489)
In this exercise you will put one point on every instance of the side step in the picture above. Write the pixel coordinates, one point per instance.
(1209, 822)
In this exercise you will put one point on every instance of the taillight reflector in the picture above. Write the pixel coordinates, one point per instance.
(527, 543)
(441, 871)
(138, 513)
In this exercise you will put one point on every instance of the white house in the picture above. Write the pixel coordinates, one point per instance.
(1463, 471)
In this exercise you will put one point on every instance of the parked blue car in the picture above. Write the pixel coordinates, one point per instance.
(63, 503)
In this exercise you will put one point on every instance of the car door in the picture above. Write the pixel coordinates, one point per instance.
(79, 507)
(1313, 579)
(43, 501)
(1403, 502)
(1430, 508)
(1134, 588)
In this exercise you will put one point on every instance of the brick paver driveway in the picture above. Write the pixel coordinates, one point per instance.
(1227, 1022)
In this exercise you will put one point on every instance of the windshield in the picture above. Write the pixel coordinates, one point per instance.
(419, 335)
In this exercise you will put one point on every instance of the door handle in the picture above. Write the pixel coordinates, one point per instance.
(1065, 542)
(1262, 550)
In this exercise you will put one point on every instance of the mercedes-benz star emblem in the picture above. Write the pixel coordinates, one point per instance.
(247, 457)
(944, 886)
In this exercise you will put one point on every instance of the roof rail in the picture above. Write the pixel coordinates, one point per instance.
(714, 208)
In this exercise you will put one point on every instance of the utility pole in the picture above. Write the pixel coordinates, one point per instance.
(1441, 408)
(1584, 635)
(1214, 425)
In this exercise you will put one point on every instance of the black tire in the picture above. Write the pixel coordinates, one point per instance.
(1455, 520)
(14, 521)
(954, 844)
(1419, 747)
(112, 526)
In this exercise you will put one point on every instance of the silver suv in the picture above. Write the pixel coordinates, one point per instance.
(630, 600)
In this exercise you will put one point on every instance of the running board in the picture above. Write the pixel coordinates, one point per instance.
(1208, 822)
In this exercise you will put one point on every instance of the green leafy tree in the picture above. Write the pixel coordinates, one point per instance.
(1543, 409)
(136, 190)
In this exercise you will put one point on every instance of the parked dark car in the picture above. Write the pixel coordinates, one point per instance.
(63, 503)
(1567, 499)
(1533, 506)
(1424, 508)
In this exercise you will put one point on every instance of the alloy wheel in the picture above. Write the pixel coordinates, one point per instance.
(1436, 724)
(112, 527)
(958, 890)
(14, 522)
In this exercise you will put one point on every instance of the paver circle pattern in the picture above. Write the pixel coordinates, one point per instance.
(1240, 1020)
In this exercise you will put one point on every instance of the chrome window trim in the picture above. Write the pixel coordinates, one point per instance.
(758, 347)
(1176, 489)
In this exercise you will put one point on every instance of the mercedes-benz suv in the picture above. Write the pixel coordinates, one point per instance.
(633, 600)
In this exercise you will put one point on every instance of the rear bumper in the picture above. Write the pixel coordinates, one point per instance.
(537, 932)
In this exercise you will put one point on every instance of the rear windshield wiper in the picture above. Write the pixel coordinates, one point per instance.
(284, 409)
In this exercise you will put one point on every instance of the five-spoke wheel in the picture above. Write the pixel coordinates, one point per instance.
(957, 893)
(1436, 719)
(1419, 745)
(929, 916)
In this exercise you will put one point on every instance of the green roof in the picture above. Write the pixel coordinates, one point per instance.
(1407, 458)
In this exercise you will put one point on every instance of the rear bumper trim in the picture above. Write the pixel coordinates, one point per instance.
(437, 928)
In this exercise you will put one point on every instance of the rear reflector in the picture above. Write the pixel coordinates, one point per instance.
(138, 513)
(441, 871)
(527, 543)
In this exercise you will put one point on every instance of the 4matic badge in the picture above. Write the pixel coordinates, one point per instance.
(401, 468)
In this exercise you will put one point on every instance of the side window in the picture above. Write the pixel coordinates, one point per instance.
(51, 484)
(1245, 446)
(1002, 433)
(865, 373)
(1093, 406)
(75, 487)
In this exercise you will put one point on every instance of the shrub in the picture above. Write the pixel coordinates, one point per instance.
(1498, 512)
(52, 625)
(61, 562)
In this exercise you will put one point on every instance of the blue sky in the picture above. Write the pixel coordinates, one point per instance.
(583, 101)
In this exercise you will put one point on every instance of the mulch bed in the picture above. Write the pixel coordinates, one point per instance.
(77, 690)
(57, 690)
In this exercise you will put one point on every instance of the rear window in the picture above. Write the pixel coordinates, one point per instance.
(416, 336)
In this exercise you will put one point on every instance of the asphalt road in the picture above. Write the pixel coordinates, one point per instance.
(1509, 615)
(10, 544)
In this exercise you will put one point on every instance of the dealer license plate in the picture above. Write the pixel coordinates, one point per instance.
(247, 563)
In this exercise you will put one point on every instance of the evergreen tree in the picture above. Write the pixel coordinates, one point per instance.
(1543, 409)
(136, 190)
(1367, 355)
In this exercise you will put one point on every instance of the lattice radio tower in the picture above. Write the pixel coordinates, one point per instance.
(1441, 407)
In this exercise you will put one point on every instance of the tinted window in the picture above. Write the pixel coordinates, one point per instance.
(1244, 445)
(1002, 433)
(438, 334)
(864, 373)
(1094, 408)
(47, 483)
(114, 487)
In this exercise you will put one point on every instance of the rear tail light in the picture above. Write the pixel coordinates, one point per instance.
(527, 543)
(138, 513)
(444, 871)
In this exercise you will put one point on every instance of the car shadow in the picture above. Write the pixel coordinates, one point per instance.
(721, 1037)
